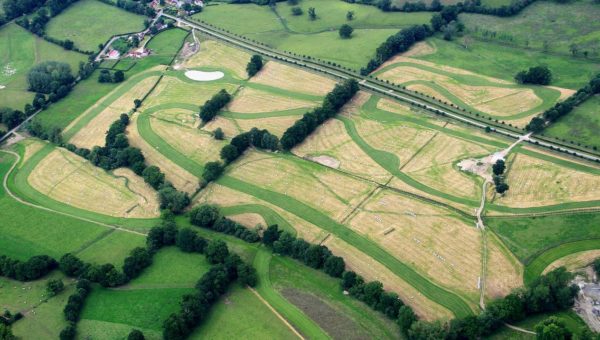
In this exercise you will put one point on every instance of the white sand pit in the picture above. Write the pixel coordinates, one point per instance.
(204, 76)
(326, 160)
(2, 87)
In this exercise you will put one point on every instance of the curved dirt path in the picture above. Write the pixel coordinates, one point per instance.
(18, 199)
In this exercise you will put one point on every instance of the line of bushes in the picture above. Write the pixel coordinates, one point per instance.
(397, 43)
(208, 216)
(73, 308)
(260, 139)
(32, 269)
(211, 107)
(333, 102)
(537, 124)
(118, 153)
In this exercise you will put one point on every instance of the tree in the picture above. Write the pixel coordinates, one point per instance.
(502, 188)
(297, 11)
(499, 167)
(219, 134)
(406, 317)
(69, 332)
(334, 266)
(540, 75)
(247, 275)
(552, 328)
(229, 153)
(153, 176)
(118, 77)
(204, 216)
(312, 13)
(137, 103)
(216, 251)
(6, 333)
(54, 286)
(573, 48)
(212, 106)
(346, 31)
(271, 235)
(47, 77)
(212, 171)
(385, 5)
(136, 335)
(350, 16)
(255, 65)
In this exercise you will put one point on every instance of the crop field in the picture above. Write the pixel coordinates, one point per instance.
(575, 261)
(218, 55)
(292, 79)
(559, 25)
(504, 271)
(19, 51)
(89, 23)
(580, 125)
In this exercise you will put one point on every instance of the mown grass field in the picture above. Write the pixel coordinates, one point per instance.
(89, 22)
(579, 126)
(317, 38)
(559, 25)
(19, 51)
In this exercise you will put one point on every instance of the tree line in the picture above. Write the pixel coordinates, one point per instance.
(254, 65)
(137, 7)
(537, 124)
(333, 102)
(32, 269)
(73, 308)
(211, 107)
(397, 43)
(260, 139)
(207, 216)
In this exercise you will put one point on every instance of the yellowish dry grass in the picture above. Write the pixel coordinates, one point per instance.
(504, 271)
(175, 90)
(372, 270)
(180, 178)
(535, 182)
(322, 188)
(68, 178)
(428, 91)
(397, 183)
(219, 55)
(420, 49)
(293, 79)
(402, 109)
(94, 133)
(32, 146)
(494, 100)
(250, 100)
(181, 117)
(229, 126)
(275, 125)
(575, 261)
(250, 220)
(192, 142)
(331, 139)
(430, 239)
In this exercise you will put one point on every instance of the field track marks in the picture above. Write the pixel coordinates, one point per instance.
(276, 313)
(93, 241)
(18, 199)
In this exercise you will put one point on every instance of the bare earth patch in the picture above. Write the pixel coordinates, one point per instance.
(68, 178)
(325, 160)
(250, 100)
(293, 79)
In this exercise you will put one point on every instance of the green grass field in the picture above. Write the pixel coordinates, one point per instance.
(580, 125)
(317, 38)
(112, 247)
(90, 22)
(504, 62)
(560, 25)
(19, 51)
(529, 236)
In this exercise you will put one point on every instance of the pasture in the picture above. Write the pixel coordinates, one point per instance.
(19, 51)
(88, 23)
(580, 126)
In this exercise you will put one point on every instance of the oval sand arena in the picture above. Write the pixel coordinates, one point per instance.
(204, 76)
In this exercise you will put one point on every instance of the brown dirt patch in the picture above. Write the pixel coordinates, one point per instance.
(219, 55)
(293, 79)
(181, 179)
(94, 133)
(336, 324)
(68, 178)
(250, 100)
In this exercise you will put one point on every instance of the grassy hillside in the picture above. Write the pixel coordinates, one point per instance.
(581, 125)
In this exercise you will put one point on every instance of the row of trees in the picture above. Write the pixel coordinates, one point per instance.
(254, 65)
(106, 76)
(397, 43)
(499, 181)
(211, 107)
(261, 139)
(333, 102)
(207, 216)
(118, 153)
(73, 308)
(32, 269)
(16, 8)
(137, 7)
(549, 293)
(537, 124)
(539, 75)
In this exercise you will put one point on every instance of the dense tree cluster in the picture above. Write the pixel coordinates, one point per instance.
(73, 309)
(549, 293)
(211, 108)
(137, 7)
(106, 76)
(498, 170)
(16, 8)
(32, 269)
(11, 118)
(207, 216)
(539, 75)
(195, 307)
(52, 78)
(397, 43)
(258, 2)
(468, 6)
(340, 95)
(254, 65)
(136, 334)
(372, 294)
(54, 286)
(537, 124)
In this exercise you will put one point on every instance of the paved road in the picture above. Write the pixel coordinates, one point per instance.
(369, 84)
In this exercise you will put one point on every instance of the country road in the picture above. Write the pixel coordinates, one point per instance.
(368, 84)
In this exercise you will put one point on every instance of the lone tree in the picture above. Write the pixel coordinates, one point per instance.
(499, 167)
(540, 75)
(312, 13)
(346, 31)
(54, 286)
(350, 15)
(297, 11)
(255, 65)
(219, 134)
